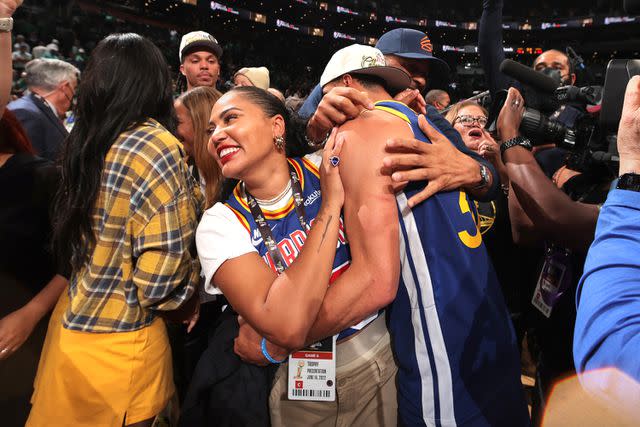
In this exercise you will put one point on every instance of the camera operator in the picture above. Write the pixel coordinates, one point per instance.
(564, 220)
(552, 63)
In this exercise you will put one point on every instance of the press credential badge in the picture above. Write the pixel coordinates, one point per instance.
(312, 372)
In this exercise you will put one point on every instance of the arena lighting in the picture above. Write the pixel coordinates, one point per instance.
(346, 10)
(396, 20)
(259, 17)
(280, 23)
(472, 26)
(338, 35)
(547, 25)
(371, 41)
(223, 8)
(619, 20)
(319, 32)
(445, 24)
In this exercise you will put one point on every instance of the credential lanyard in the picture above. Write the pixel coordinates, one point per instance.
(263, 227)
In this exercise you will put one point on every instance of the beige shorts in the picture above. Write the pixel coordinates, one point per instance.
(365, 387)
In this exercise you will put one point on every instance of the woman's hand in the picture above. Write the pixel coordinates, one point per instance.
(247, 345)
(15, 328)
(188, 313)
(490, 150)
(488, 147)
(412, 99)
(330, 182)
(510, 116)
(193, 318)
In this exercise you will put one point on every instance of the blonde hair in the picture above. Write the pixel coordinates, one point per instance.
(455, 109)
(199, 103)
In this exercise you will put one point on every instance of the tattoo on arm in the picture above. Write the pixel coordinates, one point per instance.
(324, 233)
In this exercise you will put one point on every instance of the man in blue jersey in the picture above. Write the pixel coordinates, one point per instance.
(453, 342)
(445, 166)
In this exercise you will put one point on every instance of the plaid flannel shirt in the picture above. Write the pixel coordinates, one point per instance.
(144, 220)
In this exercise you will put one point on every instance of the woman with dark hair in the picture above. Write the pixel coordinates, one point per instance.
(273, 249)
(125, 218)
(249, 130)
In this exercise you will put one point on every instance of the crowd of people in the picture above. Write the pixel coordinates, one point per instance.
(367, 253)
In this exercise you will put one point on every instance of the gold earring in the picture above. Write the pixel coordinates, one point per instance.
(278, 141)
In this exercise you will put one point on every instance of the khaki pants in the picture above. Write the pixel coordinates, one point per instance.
(365, 389)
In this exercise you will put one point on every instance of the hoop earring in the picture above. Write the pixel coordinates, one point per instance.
(278, 141)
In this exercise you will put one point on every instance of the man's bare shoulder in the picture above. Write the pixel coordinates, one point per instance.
(364, 148)
(375, 125)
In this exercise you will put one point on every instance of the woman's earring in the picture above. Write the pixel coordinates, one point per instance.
(278, 141)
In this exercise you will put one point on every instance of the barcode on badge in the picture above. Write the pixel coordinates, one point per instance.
(311, 393)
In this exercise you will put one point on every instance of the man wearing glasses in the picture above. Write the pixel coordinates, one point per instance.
(52, 84)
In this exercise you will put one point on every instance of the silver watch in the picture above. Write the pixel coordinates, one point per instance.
(485, 176)
(6, 25)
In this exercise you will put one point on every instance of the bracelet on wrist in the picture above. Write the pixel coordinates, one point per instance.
(517, 141)
(265, 353)
(312, 143)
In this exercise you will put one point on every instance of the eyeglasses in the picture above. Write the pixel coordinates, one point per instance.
(468, 120)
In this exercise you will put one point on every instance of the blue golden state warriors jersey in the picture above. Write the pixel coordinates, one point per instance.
(453, 340)
(286, 228)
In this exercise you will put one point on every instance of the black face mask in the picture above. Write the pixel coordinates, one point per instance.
(556, 76)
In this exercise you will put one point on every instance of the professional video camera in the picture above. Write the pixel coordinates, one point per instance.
(590, 133)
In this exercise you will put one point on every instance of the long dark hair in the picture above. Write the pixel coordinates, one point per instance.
(127, 81)
(295, 127)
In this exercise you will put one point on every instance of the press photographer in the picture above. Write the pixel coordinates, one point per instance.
(560, 213)
(558, 67)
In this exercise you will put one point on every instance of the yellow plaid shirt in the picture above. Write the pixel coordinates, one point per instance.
(144, 221)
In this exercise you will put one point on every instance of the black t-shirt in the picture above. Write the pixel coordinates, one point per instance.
(27, 188)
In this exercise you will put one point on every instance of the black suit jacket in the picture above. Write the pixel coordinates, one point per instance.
(44, 129)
